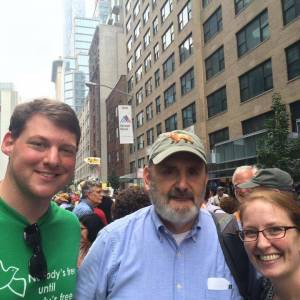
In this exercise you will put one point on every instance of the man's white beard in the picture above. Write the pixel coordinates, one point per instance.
(177, 216)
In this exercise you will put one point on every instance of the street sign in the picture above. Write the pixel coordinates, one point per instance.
(92, 160)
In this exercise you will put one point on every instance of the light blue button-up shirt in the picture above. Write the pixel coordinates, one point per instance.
(84, 207)
(137, 258)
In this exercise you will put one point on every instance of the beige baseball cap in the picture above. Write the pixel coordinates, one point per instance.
(176, 141)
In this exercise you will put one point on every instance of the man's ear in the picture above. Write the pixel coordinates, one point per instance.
(146, 176)
(7, 144)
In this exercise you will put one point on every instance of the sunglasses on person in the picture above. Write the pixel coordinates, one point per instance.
(37, 264)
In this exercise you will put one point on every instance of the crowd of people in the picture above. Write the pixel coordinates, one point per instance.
(206, 244)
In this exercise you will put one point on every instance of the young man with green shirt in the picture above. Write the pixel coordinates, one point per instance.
(39, 240)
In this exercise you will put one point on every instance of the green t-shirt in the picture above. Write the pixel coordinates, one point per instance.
(60, 234)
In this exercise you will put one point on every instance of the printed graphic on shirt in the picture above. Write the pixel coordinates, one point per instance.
(11, 280)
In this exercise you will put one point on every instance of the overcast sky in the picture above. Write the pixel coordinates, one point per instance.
(30, 39)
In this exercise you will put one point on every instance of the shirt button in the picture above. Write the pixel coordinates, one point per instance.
(178, 286)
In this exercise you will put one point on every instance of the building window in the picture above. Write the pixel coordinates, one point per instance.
(148, 87)
(128, 25)
(168, 37)
(214, 63)
(240, 5)
(169, 66)
(170, 95)
(166, 10)
(146, 15)
(213, 25)
(295, 116)
(256, 81)
(141, 162)
(256, 123)
(189, 115)
(147, 39)
(130, 84)
(129, 44)
(129, 64)
(154, 2)
(171, 123)
(217, 102)
(136, 9)
(137, 31)
(158, 129)
(185, 15)
(149, 112)
(139, 96)
(140, 142)
(156, 52)
(150, 136)
(157, 105)
(139, 74)
(127, 6)
(155, 26)
(205, 3)
(147, 62)
(138, 52)
(157, 78)
(186, 49)
(290, 10)
(132, 166)
(140, 119)
(293, 60)
(187, 81)
(253, 33)
(218, 137)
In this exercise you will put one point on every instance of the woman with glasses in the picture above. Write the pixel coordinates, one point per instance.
(270, 218)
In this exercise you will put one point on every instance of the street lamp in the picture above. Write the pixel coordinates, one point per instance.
(130, 97)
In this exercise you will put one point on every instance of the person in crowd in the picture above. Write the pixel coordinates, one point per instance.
(215, 200)
(270, 218)
(172, 236)
(229, 204)
(74, 196)
(38, 238)
(90, 226)
(91, 197)
(129, 201)
(241, 175)
(106, 207)
(208, 204)
(63, 200)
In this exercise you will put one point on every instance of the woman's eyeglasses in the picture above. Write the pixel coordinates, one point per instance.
(270, 233)
(37, 264)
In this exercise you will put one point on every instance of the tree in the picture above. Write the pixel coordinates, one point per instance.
(114, 180)
(276, 149)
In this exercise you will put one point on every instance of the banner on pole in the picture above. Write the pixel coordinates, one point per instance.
(125, 124)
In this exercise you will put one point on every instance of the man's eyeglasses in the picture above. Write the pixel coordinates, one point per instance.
(270, 233)
(37, 264)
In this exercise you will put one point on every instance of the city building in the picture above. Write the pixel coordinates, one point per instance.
(116, 152)
(211, 67)
(76, 66)
(106, 66)
(8, 101)
(57, 78)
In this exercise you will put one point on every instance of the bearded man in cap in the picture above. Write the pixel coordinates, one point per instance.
(169, 250)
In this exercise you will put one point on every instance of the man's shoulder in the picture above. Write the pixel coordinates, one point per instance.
(128, 222)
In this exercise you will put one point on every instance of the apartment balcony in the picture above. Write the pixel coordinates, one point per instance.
(228, 155)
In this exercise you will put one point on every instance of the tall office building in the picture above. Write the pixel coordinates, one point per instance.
(102, 10)
(8, 101)
(72, 9)
(211, 67)
(76, 67)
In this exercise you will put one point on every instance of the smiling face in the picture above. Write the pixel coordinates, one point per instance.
(276, 258)
(41, 158)
(176, 188)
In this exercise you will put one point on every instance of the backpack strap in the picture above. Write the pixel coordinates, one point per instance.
(235, 254)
